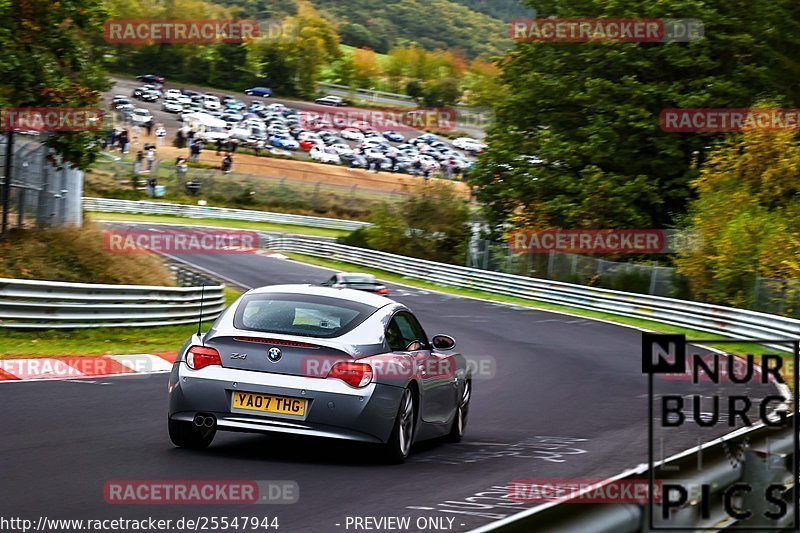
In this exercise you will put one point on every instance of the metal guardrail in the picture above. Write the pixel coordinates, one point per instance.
(728, 321)
(767, 459)
(33, 304)
(108, 205)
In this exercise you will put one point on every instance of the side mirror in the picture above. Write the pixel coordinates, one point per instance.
(443, 342)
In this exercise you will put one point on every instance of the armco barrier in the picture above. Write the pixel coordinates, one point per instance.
(728, 321)
(108, 205)
(767, 459)
(32, 304)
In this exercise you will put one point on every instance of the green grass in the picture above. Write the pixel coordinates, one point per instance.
(216, 222)
(733, 348)
(99, 341)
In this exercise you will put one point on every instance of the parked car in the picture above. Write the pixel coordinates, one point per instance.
(285, 141)
(171, 105)
(394, 136)
(263, 92)
(352, 134)
(151, 78)
(141, 116)
(145, 95)
(325, 154)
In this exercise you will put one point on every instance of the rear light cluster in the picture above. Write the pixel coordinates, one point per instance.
(383, 290)
(352, 373)
(200, 357)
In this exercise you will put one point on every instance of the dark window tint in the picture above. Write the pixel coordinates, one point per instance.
(403, 330)
(299, 314)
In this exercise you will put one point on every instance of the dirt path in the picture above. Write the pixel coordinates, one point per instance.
(298, 170)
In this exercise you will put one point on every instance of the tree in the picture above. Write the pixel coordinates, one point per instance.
(746, 216)
(431, 223)
(366, 68)
(47, 60)
(574, 110)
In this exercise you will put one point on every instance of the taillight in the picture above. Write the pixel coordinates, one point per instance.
(352, 373)
(200, 357)
(383, 290)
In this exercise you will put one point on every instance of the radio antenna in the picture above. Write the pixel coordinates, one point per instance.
(200, 319)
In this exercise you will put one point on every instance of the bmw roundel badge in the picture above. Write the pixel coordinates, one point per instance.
(274, 354)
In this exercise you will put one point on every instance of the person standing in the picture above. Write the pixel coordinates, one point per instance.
(151, 157)
(180, 170)
(149, 127)
(151, 186)
(123, 141)
(227, 163)
(137, 164)
(161, 135)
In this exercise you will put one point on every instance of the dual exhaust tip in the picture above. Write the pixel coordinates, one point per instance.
(207, 421)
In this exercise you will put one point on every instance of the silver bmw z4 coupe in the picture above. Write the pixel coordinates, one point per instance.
(320, 362)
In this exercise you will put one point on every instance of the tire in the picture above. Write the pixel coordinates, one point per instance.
(187, 435)
(396, 450)
(460, 420)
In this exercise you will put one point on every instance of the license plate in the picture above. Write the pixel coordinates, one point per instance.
(267, 403)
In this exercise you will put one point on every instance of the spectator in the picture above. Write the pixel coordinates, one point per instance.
(448, 169)
(123, 141)
(151, 157)
(190, 135)
(227, 163)
(151, 186)
(149, 127)
(219, 146)
(137, 164)
(180, 140)
(180, 170)
(161, 134)
(416, 166)
(426, 173)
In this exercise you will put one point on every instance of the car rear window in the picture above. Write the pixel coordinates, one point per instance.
(300, 314)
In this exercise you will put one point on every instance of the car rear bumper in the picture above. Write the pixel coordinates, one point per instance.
(334, 409)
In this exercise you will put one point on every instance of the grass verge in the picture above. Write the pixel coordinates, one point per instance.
(221, 223)
(99, 341)
(737, 349)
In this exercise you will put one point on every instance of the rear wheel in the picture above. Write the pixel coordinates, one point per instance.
(187, 435)
(399, 445)
(460, 422)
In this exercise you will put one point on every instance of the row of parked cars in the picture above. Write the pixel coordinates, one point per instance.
(284, 129)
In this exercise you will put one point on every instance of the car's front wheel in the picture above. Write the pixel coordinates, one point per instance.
(399, 445)
(188, 435)
(460, 422)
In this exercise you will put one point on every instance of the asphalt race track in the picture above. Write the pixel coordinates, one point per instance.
(565, 399)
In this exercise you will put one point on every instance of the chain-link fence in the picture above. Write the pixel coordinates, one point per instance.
(41, 193)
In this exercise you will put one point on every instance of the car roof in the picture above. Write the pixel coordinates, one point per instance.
(372, 300)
